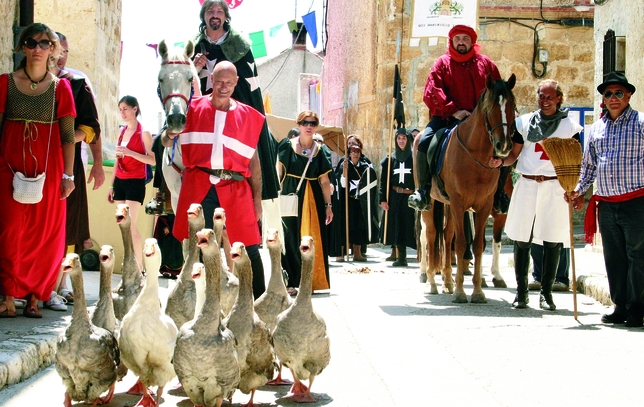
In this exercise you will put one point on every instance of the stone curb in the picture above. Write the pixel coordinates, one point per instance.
(24, 355)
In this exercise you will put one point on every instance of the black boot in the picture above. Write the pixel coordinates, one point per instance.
(521, 265)
(402, 257)
(419, 200)
(501, 199)
(551, 253)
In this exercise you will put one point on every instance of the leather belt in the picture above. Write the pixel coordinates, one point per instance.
(539, 178)
(225, 175)
(403, 190)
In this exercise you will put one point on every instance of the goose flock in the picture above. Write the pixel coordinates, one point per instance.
(212, 336)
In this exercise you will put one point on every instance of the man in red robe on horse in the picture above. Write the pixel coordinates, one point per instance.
(451, 93)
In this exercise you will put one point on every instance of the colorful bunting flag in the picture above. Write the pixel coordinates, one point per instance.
(154, 47)
(273, 31)
(311, 27)
(234, 3)
(292, 25)
(267, 104)
(258, 44)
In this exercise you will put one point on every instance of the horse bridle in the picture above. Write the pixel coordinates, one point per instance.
(176, 94)
(490, 130)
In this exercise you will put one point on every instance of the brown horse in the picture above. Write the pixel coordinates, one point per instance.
(470, 185)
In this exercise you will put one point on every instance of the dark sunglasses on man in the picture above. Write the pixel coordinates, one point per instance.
(30, 43)
(618, 94)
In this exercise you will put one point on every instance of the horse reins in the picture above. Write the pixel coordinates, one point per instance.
(490, 130)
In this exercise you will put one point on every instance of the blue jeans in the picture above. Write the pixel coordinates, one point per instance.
(622, 229)
(537, 264)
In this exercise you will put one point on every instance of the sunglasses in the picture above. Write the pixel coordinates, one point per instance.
(30, 43)
(308, 123)
(618, 94)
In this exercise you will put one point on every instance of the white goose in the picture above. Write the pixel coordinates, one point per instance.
(132, 281)
(275, 299)
(229, 282)
(182, 297)
(300, 336)
(87, 356)
(205, 358)
(147, 336)
(252, 336)
(199, 278)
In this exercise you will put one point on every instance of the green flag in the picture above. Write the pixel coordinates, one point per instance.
(259, 45)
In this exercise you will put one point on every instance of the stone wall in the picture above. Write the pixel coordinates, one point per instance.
(93, 30)
(8, 18)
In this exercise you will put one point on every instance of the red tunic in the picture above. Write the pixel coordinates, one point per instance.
(452, 86)
(217, 139)
(129, 167)
(32, 236)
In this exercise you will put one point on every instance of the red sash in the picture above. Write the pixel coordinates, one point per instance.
(590, 220)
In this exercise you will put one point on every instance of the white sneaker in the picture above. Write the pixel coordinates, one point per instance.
(560, 286)
(56, 302)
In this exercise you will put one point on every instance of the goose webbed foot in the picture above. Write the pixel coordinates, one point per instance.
(106, 399)
(278, 381)
(139, 389)
(146, 401)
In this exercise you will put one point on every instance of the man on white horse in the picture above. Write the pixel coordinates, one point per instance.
(218, 42)
(451, 93)
(222, 166)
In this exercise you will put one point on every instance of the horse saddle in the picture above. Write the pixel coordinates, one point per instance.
(436, 156)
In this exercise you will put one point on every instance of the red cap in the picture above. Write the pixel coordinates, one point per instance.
(463, 29)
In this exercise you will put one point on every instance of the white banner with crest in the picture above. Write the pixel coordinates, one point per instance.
(434, 18)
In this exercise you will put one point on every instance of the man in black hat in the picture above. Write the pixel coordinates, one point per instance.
(614, 156)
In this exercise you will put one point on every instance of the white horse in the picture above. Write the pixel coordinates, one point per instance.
(178, 82)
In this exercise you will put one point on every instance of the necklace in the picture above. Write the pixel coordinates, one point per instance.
(34, 84)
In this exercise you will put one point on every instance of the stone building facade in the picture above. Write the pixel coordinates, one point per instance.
(93, 29)
(361, 49)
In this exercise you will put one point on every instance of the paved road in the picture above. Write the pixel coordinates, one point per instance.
(393, 345)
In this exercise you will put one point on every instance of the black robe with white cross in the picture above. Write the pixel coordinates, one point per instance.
(400, 221)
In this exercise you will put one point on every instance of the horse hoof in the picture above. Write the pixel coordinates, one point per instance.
(431, 289)
(483, 283)
(478, 298)
(499, 283)
(448, 289)
(422, 278)
(467, 272)
(460, 298)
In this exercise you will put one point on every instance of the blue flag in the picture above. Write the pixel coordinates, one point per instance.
(311, 27)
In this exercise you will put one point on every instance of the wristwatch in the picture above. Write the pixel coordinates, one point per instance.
(69, 177)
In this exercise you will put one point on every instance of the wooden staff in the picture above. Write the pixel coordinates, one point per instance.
(565, 155)
(391, 141)
(345, 174)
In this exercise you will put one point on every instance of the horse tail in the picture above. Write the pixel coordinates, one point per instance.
(439, 241)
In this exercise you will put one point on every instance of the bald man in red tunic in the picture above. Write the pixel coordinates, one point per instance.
(451, 93)
(222, 167)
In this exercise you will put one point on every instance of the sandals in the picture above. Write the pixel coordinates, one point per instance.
(67, 294)
(291, 291)
(31, 311)
(8, 312)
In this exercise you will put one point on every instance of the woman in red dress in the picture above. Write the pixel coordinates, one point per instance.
(133, 152)
(37, 121)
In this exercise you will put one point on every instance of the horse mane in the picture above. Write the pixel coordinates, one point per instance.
(500, 89)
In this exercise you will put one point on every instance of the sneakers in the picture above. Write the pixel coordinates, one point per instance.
(534, 285)
(419, 200)
(56, 302)
(559, 286)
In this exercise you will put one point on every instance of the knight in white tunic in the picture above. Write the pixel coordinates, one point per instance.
(538, 212)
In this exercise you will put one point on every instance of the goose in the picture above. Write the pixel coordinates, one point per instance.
(300, 336)
(275, 299)
(204, 357)
(199, 279)
(126, 293)
(182, 297)
(87, 356)
(229, 282)
(147, 336)
(103, 314)
(252, 336)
